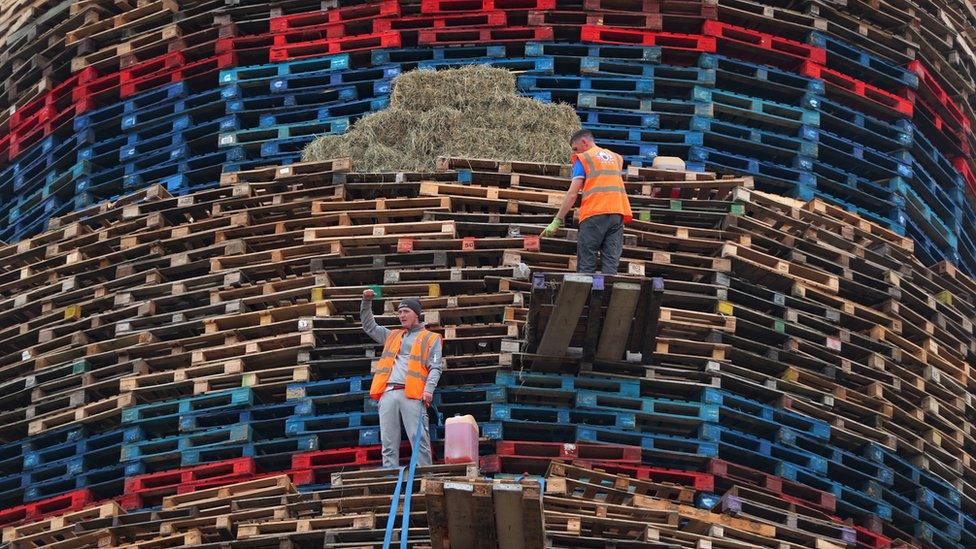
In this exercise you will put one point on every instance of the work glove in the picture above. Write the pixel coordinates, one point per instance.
(552, 227)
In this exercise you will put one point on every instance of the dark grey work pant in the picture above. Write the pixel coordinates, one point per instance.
(604, 234)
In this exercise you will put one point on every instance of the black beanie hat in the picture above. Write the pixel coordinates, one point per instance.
(413, 304)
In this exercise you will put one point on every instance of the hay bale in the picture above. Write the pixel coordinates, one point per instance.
(472, 111)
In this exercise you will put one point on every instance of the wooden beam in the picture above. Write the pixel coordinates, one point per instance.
(618, 321)
(651, 315)
(565, 316)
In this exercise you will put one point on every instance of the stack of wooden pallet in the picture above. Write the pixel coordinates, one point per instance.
(160, 346)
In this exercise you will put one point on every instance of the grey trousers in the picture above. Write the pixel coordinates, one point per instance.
(394, 406)
(604, 234)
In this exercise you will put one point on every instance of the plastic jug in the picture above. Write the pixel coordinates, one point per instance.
(460, 439)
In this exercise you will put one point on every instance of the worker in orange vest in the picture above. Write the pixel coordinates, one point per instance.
(404, 377)
(605, 208)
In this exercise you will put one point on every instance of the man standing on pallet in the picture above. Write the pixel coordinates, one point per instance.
(605, 208)
(404, 378)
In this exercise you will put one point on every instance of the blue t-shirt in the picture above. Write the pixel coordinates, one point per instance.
(578, 169)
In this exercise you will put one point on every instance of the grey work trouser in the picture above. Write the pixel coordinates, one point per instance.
(603, 233)
(394, 406)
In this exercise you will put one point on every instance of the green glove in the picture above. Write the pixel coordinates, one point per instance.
(552, 227)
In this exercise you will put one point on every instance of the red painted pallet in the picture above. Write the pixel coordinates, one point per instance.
(198, 69)
(742, 42)
(703, 482)
(785, 488)
(930, 84)
(952, 135)
(59, 95)
(331, 31)
(557, 450)
(481, 35)
(454, 6)
(389, 8)
(884, 103)
(494, 18)
(246, 44)
(341, 45)
(961, 163)
(65, 503)
(871, 540)
(5, 147)
(612, 35)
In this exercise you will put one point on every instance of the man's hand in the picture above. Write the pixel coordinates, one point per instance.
(368, 294)
(428, 398)
(553, 226)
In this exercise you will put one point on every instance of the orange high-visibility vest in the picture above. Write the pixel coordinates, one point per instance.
(603, 188)
(416, 364)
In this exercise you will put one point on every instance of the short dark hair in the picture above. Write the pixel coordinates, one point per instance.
(580, 134)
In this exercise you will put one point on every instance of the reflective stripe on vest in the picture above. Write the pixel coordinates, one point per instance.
(603, 188)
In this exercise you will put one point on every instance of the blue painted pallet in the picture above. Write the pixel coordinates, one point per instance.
(648, 136)
(764, 81)
(844, 467)
(660, 75)
(739, 447)
(316, 405)
(746, 110)
(947, 203)
(11, 458)
(103, 153)
(195, 109)
(640, 87)
(863, 128)
(313, 425)
(797, 422)
(648, 54)
(928, 249)
(943, 231)
(345, 437)
(864, 160)
(850, 197)
(258, 136)
(221, 436)
(268, 71)
(279, 159)
(492, 394)
(849, 59)
(137, 145)
(532, 65)
(561, 382)
(104, 482)
(292, 145)
(367, 77)
(251, 416)
(938, 166)
(78, 455)
(795, 183)
(674, 447)
(179, 176)
(256, 104)
(799, 152)
(11, 491)
(416, 55)
(199, 146)
(38, 165)
(853, 503)
(563, 416)
(621, 118)
(230, 398)
(322, 112)
(677, 409)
